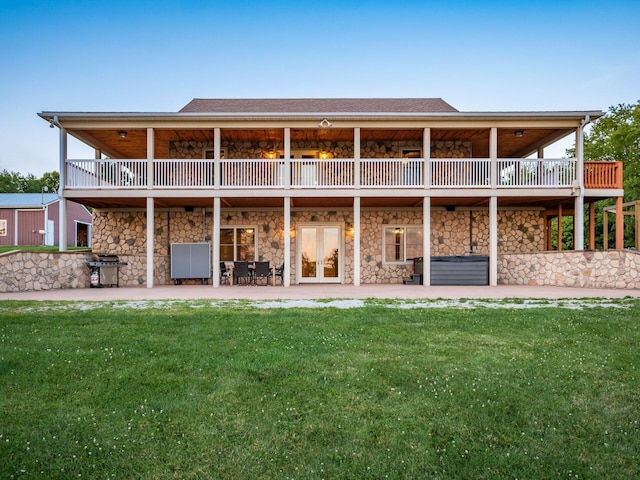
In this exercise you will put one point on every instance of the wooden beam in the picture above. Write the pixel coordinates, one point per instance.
(605, 231)
(619, 225)
(592, 226)
(637, 212)
(559, 227)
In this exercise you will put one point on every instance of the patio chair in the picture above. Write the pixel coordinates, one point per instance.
(279, 272)
(224, 273)
(261, 270)
(241, 270)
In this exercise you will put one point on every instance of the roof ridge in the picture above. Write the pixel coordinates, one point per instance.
(328, 105)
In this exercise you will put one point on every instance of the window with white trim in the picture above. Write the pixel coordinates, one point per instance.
(238, 244)
(402, 243)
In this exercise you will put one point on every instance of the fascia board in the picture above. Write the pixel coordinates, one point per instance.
(453, 116)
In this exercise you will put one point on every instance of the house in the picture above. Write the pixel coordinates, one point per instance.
(34, 219)
(335, 190)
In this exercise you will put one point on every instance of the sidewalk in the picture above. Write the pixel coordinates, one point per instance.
(316, 291)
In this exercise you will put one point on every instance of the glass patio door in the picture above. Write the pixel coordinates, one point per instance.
(320, 254)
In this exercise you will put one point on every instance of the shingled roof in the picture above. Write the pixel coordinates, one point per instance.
(318, 105)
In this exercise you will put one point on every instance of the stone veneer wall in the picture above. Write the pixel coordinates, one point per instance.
(452, 233)
(588, 269)
(263, 149)
(36, 271)
(22, 271)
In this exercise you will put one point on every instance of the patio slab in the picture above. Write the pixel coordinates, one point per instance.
(310, 292)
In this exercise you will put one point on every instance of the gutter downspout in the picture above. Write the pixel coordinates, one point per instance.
(583, 123)
(578, 216)
(62, 211)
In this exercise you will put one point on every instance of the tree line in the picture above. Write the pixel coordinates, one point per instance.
(15, 182)
(615, 136)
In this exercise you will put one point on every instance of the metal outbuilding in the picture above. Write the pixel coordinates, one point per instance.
(33, 219)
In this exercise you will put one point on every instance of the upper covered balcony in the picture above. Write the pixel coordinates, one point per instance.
(387, 148)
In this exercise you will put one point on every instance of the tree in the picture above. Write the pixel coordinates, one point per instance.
(11, 182)
(15, 182)
(616, 136)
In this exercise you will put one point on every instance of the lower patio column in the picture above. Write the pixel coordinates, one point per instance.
(578, 223)
(62, 225)
(150, 245)
(493, 241)
(286, 271)
(216, 241)
(426, 242)
(62, 230)
(356, 241)
(578, 209)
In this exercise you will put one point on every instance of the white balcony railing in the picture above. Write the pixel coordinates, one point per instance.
(460, 173)
(391, 172)
(320, 173)
(526, 173)
(106, 173)
(180, 173)
(251, 173)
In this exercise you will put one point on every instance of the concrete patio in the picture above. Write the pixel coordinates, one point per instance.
(316, 291)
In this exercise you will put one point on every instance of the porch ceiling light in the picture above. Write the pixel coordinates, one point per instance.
(122, 134)
(325, 124)
(518, 133)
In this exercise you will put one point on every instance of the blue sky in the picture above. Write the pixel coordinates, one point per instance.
(158, 55)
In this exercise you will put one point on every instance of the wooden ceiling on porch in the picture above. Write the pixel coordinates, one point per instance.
(327, 203)
(134, 144)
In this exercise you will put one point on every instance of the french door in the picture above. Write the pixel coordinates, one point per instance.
(319, 254)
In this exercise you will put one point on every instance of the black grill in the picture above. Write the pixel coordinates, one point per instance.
(105, 270)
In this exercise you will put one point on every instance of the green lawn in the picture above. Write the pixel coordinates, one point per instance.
(200, 390)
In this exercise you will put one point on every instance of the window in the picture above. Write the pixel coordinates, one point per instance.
(238, 244)
(402, 243)
(3, 228)
(207, 154)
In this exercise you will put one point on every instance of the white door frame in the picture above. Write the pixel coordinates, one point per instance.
(319, 226)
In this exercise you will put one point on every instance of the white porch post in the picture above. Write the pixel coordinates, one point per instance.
(493, 154)
(286, 271)
(150, 241)
(493, 241)
(216, 241)
(217, 163)
(578, 213)
(150, 157)
(356, 158)
(426, 242)
(287, 159)
(426, 153)
(356, 241)
(16, 222)
(62, 225)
